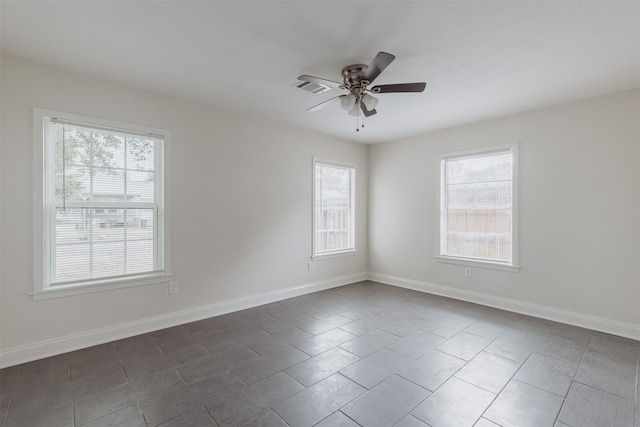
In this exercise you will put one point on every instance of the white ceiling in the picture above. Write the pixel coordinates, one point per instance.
(480, 59)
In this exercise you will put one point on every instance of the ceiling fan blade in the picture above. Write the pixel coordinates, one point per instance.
(399, 87)
(324, 104)
(319, 81)
(367, 113)
(379, 63)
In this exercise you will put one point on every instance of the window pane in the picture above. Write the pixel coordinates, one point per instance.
(477, 221)
(333, 208)
(140, 154)
(95, 243)
(141, 185)
(105, 197)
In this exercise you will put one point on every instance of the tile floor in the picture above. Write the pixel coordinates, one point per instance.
(359, 355)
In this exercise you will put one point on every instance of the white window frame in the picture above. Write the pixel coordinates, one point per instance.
(342, 252)
(513, 266)
(41, 227)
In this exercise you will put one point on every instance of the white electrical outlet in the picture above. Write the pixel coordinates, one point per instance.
(310, 266)
(467, 272)
(173, 288)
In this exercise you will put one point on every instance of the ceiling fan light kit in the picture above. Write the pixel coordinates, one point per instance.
(355, 79)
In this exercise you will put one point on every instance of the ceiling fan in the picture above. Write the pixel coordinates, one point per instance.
(356, 79)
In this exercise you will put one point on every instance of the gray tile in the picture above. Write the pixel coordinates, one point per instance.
(318, 401)
(376, 367)
(233, 409)
(573, 333)
(324, 324)
(205, 325)
(96, 405)
(337, 419)
(137, 352)
(325, 341)
(165, 406)
(515, 346)
(321, 366)
(204, 368)
(547, 373)
(608, 369)
(447, 327)
(87, 354)
(588, 407)
(370, 342)
(561, 348)
(364, 325)
(130, 417)
(266, 418)
(47, 409)
(386, 403)
(455, 404)
(175, 342)
(410, 421)
(270, 390)
(29, 383)
(288, 322)
(483, 422)
(249, 401)
(432, 369)
(232, 341)
(268, 365)
(522, 405)
(318, 312)
(359, 310)
(532, 327)
(101, 365)
(105, 383)
(470, 311)
(97, 382)
(405, 326)
(488, 371)
(197, 417)
(416, 344)
(489, 327)
(186, 354)
(618, 347)
(276, 342)
(464, 345)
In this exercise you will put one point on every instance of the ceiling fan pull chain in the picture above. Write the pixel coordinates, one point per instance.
(359, 122)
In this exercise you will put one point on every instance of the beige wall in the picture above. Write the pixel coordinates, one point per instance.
(579, 213)
(241, 210)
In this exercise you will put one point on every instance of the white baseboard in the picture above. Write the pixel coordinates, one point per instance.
(16, 355)
(591, 322)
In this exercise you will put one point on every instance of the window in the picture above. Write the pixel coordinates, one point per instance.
(102, 220)
(333, 210)
(478, 202)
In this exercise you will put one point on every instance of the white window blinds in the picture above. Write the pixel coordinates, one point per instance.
(104, 202)
(477, 206)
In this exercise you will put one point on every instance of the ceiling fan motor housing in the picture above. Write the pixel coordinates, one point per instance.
(353, 77)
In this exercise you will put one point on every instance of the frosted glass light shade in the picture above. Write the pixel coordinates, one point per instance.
(369, 101)
(347, 102)
(355, 110)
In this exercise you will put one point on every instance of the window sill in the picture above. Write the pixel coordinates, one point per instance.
(336, 254)
(61, 291)
(478, 264)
